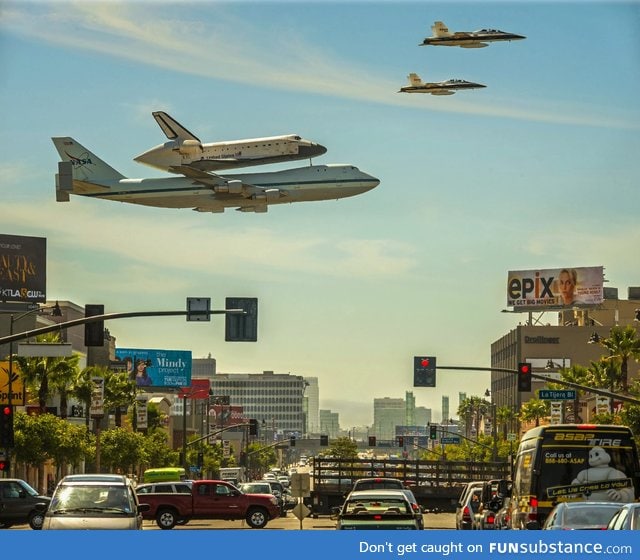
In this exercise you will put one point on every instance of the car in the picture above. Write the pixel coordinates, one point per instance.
(376, 509)
(626, 518)
(94, 501)
(468, 504)
(267, 486)
(579, 515)
(415, 506)
(377, 483)
(491, 501)
(18, 501)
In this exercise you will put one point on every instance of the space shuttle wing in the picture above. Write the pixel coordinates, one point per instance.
(227, 186)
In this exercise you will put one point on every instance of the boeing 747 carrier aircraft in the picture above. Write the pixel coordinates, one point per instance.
(83, 173)
(186, 149)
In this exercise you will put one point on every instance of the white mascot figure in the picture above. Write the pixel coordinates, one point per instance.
(599, 470)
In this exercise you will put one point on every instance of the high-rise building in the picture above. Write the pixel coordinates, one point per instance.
(445, 409)
(274, 399)
(387, 414)
(329, 423)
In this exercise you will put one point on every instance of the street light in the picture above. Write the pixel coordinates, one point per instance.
(55, 312)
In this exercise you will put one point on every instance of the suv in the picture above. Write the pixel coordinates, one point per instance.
(468, 504)
(18, 503)
(267, 486)
(94, 501)
(378, 483)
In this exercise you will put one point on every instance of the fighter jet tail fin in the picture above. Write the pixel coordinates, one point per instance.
(414, 79)
(440, 29)
(173, 129)
(85, 165)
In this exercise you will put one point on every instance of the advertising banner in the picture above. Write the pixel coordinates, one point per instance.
(555, 288)
(23, 268)
(157, 368)
(16, 385)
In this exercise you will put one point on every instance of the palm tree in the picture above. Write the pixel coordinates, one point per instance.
(505, 415)
(43, 375)
(534, 410)
(623, 343)
(580, 376)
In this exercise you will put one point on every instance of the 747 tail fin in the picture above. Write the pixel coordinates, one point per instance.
(86, 166)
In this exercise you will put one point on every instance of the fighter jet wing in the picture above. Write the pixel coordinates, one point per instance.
(227, 186)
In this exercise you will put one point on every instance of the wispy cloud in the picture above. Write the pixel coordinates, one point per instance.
(139, 241)
(132, 31)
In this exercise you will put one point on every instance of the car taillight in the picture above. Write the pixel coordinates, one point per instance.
(533, 509)
(491, 519)
(466, 514)
(415, 507)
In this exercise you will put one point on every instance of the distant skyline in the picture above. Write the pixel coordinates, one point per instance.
(537, 170)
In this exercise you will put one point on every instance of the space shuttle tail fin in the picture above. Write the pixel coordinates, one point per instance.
(172, 129)
(440, 29)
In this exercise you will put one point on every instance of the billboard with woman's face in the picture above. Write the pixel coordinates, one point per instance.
(157, 368)
(555, 288)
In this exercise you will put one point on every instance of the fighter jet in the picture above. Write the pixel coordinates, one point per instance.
(448, 87)
(186, 149)
(83, 173)
(467, 39)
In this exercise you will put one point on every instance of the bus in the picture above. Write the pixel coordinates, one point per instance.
(572, 462)
(164, 474)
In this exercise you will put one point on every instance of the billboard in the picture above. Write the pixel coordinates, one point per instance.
(555, 288)
(157, 368)
(23, 268)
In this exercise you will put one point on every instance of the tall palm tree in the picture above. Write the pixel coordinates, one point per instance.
(534, 410)
(41, 374)
(623, 343)
(505, 415)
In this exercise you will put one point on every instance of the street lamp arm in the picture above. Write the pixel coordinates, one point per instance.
(546, 378)
(106, 317)
(217, 432)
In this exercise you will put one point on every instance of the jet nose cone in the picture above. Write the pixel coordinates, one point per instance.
(312, 150)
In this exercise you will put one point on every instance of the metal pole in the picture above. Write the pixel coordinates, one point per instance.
(184, 432)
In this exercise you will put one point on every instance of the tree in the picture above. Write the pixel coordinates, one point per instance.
(43, 375)
(623, 344)
(121, 450)
(343, 448)
(505, 416)
(533, 410)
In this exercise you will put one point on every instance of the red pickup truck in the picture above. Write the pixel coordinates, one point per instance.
(210, 499)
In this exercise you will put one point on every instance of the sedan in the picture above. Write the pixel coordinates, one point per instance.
(581, 515)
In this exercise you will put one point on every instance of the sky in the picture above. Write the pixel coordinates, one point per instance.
(538, 170)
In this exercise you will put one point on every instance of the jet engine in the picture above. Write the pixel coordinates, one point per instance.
(189, 148)
(231, 187)
(266, 196)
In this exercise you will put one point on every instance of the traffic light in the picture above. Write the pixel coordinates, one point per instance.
(94, 332)
(433, 431)
(424, 371)
(253, 427)
(400, 441)
(6, 426)
(292, 441)
(372, 441)
(324, 440)
(4, 465)
(241, 327)
(524, 377)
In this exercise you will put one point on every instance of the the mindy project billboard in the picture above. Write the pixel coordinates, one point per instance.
(23, 268)
(157, 368)
(554, 288)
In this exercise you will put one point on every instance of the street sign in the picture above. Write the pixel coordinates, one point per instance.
(450, 439)
(301, 511)
(300, 485)
(564, 395)
(512, 436)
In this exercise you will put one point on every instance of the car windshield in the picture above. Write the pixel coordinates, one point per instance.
(30, 490)
(79, 497)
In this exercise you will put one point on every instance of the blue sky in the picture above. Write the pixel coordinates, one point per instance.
(538, 170)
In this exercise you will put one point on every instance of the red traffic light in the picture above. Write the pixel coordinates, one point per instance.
(424, 362)
(6, 410)
(4, 466)
(525, 368)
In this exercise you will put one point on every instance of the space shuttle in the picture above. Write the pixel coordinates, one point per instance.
(184, 149)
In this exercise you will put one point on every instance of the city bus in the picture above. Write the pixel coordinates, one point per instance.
(164, 474)
(572, 462)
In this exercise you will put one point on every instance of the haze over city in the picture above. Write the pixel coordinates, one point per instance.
(537, 170)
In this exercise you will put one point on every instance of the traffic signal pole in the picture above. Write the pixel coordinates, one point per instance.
(546, 378)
